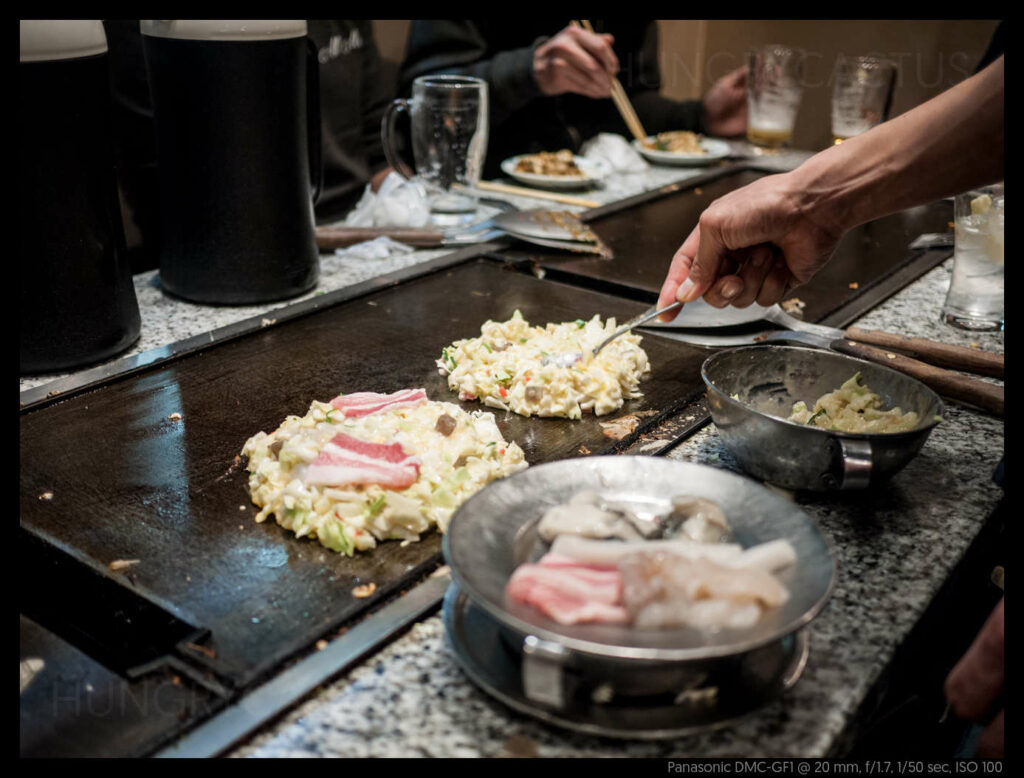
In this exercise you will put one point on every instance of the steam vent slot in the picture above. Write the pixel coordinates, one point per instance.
(107, 621)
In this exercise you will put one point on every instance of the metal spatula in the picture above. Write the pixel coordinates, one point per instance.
(571, 357)
(552, 229)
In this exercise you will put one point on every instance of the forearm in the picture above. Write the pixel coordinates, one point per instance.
(947, 145)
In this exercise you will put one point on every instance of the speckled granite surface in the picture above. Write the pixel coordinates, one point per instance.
(893, 547)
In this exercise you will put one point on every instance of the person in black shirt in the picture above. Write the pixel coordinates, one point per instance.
(550, 81)
(355, 90)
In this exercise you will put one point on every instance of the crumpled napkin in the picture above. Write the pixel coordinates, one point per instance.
(378, 248)
(614, 151)
(398, 203)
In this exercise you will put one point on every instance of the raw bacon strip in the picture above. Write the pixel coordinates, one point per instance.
(346, 460)
(552, 559)
(364, 403)
(569, 594)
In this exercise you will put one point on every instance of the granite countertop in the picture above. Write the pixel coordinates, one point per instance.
(894, 548)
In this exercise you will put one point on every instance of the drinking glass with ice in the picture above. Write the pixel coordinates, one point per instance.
(975, 297)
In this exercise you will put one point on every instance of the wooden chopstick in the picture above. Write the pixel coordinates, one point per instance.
(619, 96)
(494, 186)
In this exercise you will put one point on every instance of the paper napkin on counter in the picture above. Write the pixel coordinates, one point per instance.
(614, 151)
(398, 203)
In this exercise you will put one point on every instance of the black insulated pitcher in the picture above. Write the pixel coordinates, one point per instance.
(78, 302)
(236, 109)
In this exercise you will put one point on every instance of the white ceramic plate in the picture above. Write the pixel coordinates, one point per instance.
(593, 172)
(716, 150)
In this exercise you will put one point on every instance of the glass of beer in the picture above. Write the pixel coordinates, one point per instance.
(775, 86)
(861, 95)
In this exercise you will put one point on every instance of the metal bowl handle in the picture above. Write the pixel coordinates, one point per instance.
(542, 669)
(851, 464)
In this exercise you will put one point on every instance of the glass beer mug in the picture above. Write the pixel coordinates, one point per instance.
(449, 117)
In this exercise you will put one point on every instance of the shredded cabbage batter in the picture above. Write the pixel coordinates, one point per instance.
(458, 456)
(853, 407)
(520, 368)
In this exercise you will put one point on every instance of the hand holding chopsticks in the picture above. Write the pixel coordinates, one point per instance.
(577, 61)
(619, 96)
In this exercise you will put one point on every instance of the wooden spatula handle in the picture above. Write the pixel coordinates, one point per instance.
(946, 383)
(341, 237)
(942, 354)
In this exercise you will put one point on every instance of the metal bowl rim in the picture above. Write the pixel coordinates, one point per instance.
(897, 436)
(607, 650)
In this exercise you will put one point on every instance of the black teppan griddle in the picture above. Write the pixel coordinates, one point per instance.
(644, 233)
(130, 481)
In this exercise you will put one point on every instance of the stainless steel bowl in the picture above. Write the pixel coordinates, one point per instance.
(752, 390)
(623, 699)
(589, 669)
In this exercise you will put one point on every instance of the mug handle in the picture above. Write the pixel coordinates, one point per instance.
(387, 136)
(313, 140)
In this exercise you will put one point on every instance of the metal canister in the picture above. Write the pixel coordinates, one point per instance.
(237, 129)
(78, 302)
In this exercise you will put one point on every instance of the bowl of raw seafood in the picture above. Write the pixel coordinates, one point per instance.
(623, 578)
(815, 420)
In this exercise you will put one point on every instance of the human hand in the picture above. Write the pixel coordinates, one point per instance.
(974, 685)
(576, 61)
(725, 105)
(751, 245)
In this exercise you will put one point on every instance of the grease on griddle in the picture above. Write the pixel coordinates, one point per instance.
(365, 590)
(617, 429)
(205, 650)
(236, 463)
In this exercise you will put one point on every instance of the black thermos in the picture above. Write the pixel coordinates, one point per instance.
(237, 129)
(78, 302)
